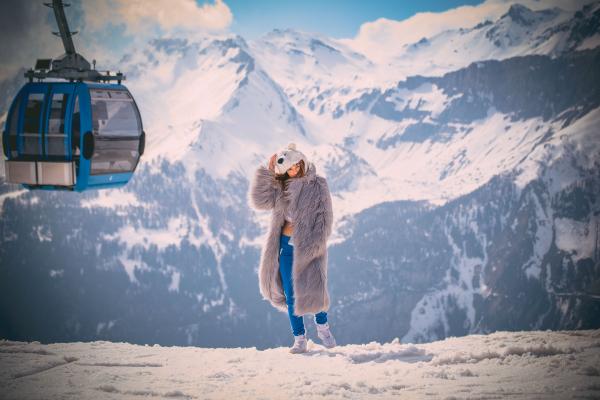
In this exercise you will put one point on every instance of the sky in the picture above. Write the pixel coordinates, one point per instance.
(334, 18)
(109, 29)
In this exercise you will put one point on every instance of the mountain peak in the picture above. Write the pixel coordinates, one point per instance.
(520, 14)
(284, 33)
(235, 41)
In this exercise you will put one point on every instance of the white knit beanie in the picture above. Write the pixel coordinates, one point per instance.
(287, 157)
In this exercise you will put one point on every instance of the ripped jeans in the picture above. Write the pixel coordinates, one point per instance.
(286, 257)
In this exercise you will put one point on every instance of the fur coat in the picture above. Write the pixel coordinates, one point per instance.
(310, 208)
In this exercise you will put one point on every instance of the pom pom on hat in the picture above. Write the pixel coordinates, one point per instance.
(292, 146)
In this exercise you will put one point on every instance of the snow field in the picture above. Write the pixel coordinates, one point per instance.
(511, 365)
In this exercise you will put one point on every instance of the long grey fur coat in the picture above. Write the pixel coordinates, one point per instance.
(310, 208)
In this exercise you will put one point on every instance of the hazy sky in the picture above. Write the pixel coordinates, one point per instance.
(108, 29)
(335, 18)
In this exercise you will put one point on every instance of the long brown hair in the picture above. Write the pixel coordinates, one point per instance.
(284, 177)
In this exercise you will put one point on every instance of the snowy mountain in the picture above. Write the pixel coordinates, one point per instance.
(464, 171)
(217, 103)
(519, 365)
(518, 31)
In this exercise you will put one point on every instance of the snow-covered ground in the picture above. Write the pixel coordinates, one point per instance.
(502, 365)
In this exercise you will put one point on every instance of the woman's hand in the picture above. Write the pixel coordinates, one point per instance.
(272, 162)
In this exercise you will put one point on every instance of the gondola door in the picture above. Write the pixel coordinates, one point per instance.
(29, 136)
(56, 168)
(57, 129)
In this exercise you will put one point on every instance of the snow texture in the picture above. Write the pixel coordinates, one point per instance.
(515, 365)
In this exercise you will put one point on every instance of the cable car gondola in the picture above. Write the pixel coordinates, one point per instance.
(77, 132)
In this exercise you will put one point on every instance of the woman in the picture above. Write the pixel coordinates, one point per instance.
(293, 262)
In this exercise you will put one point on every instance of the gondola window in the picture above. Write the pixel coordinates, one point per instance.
(56, 125)
(13, 129)
(116, 129)
(31, 125)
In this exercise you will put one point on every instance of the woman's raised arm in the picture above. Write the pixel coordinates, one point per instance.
(264, 188)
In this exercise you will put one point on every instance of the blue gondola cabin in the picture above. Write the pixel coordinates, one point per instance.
(72, 136)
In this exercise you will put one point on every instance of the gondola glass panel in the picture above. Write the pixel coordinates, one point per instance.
(57, 138)
(32, 143)
(117, 129)
(13, 129)
(76, 128)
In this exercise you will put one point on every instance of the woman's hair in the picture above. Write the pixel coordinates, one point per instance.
(284, 177)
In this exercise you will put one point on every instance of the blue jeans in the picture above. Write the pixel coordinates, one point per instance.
(286, 258)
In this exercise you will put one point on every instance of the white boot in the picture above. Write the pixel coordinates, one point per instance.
(300, 344)
(325, 335)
